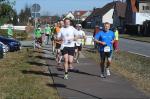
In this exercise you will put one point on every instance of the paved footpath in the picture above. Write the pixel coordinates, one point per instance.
(87, 84)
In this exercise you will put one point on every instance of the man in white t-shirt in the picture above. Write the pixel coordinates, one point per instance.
(68, 36)
(81, 39)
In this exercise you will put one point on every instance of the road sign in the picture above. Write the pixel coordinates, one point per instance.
(35, 8)
(35, 14)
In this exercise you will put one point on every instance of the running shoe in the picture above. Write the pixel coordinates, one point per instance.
(102, 76)
(107, 71)
(66, 76)
(77, 61)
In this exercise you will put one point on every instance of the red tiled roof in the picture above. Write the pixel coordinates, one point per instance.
(80, 13)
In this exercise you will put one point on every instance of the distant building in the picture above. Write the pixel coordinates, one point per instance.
(81, 15)
(119, 14)
(45, 19)
(138, 17)
(85, 15)
(70, 16)
(137, 11)
(101, 15)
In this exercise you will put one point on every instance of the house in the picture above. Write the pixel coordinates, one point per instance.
(119, 14)
(81, 15)
(85, 15)
(78, 14)
(49, 19)
(137, 11)
(70, 15)
(45, 19)
(100, 15)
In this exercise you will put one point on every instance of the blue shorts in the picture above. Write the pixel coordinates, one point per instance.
(106, 55)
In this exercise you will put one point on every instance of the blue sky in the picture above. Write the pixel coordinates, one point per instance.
(61, 6)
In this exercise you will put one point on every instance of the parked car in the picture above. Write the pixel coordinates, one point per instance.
(12, 44)
(5, 47)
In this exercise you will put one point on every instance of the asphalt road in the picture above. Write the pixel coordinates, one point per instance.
(27, 43)
(132, 46)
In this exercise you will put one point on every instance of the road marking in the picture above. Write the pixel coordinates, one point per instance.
(138, 54)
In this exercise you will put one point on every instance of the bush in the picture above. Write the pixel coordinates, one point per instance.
(3, 32)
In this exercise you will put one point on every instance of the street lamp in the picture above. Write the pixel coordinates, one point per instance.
(12, 18)
(18, 20)
(29, 20)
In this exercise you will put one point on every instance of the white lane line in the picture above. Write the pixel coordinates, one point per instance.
(138, 54)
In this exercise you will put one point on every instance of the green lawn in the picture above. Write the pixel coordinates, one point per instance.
(133, 67)
(22, 76)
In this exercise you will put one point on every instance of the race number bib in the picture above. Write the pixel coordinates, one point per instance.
(106, 49)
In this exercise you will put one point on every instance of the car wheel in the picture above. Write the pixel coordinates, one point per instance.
(8, 48)
(20, 47)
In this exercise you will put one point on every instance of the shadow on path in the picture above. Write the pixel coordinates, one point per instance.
(64, 86)
(49, 58)
(35, 72)
(39, 73)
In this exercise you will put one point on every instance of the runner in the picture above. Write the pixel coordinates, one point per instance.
(105, 39)
(10, 31)
(116, 42)
(78, 45)
(58, 45)
(67, 35)
(47, 33)
(38, 37)
(52, 38)
(96, 30)
(43, 34)
(56, 31)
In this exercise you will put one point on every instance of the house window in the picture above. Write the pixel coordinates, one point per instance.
(146, 7)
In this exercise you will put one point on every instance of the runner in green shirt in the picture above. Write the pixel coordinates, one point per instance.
(47, 33)
(10, 31)
(38, 33)
(38, 37)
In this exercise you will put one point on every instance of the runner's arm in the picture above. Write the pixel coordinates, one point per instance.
(96, 39)
(113, 38)
(76, 36)
(84, 36)
(59, 37)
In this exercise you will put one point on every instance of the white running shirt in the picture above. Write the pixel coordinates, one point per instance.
(67, 34)
(80, 34)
